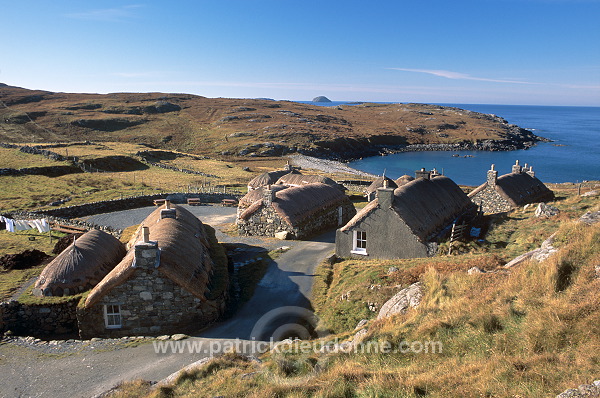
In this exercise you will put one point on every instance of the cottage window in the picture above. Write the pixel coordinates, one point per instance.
(360, 243)
(112, 316)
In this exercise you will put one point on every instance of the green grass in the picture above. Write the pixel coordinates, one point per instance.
(11, 281)
(19, 241)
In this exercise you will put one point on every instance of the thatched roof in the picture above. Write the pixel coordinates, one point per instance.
(297, 179)
(405, 179)
(296, 204)
(519, 189)
(184, 254)
(378, 183)
(268, 178)
(426, 206)
(257, 194)
(81, 265)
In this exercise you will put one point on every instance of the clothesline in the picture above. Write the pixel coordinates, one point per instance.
(23, 225)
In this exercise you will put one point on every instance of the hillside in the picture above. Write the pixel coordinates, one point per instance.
(246, 127)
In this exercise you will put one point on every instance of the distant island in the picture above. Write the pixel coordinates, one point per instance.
(321, 98)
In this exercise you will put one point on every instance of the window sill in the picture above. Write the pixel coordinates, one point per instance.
(362, 253)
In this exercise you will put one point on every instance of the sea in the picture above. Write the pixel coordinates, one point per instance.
(572, 156)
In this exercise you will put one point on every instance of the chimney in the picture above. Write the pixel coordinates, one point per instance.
(492, 176)
(147, 254)
(168, 212)
(385, 196)
(145, 234)
(268, 196)
(530, 171)
(422, 173)
(516, 169)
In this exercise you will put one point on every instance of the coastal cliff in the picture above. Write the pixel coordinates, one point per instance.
(238, 128)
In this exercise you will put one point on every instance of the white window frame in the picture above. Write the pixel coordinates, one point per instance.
(113, 319)
(359, 242)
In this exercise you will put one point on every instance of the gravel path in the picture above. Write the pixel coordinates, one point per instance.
(73, 368)
(328, 166)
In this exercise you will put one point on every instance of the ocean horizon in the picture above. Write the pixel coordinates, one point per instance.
(572, 156)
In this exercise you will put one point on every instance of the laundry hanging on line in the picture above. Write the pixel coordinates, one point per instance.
(23, 225)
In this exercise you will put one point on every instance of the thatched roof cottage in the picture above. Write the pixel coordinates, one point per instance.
(271, 177)
(81, 265)
(298, 179)
(296, 212)
(379, 182)
(163, 285)
(405, 222)
(504, 193)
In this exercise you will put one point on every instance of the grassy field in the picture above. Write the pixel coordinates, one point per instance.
(35, 192)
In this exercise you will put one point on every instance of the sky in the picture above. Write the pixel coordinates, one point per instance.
(525, 52)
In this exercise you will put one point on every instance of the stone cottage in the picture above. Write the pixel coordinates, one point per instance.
(293, 212)
(167, 282)
(405, 222)
(504, 193)
(81, 265)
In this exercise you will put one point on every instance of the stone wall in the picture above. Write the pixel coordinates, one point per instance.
(266, 222)
(151, 304)
(491, 201)
(108, 206)
(39, 319)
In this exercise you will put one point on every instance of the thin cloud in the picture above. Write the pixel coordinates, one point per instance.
(459, 76)
(117, 14)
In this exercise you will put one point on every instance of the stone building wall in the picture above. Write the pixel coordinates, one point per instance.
(39, 319)
(151, 304)
(266, 222)
(491, 201)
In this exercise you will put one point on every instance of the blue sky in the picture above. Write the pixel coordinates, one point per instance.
(538, 52)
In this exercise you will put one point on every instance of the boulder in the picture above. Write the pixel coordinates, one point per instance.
(283, 235)
(590, 218)
(474, 270)
(547, 211)
(409, 297)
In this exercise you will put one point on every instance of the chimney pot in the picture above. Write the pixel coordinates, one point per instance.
(145, 234)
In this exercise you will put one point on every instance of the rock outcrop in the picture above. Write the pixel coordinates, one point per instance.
(409, 297)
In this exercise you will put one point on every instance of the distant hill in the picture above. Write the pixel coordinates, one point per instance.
(247, 127)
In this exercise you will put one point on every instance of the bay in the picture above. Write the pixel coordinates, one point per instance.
(573, 156)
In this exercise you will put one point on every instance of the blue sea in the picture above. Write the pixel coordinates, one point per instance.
(573, 156)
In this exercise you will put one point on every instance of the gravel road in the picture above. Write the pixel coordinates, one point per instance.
(85, 369)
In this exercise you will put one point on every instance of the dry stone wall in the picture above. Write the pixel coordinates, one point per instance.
(266, 222)
(39, 319)
(491, 201)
